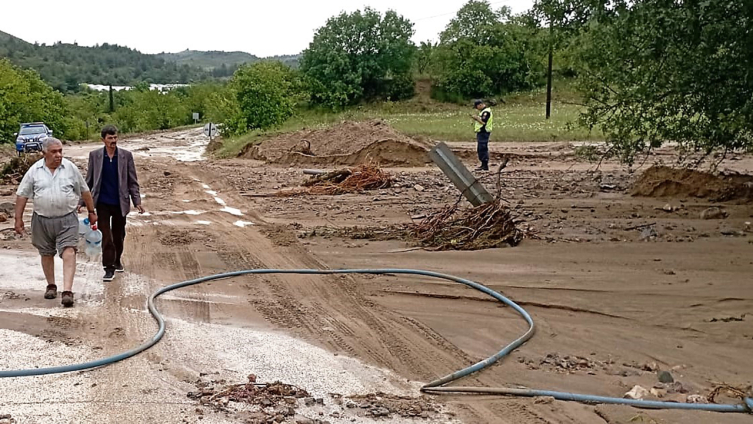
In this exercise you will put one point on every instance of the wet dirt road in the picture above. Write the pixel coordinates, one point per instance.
(617, 309)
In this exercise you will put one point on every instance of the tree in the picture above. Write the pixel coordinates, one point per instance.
(425, 57)
(473, 22)
(658, 70)
(360, 56)
(265, 96)
(24, 97)
(485, 52)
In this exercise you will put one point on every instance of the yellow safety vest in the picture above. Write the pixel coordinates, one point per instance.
(489, 123)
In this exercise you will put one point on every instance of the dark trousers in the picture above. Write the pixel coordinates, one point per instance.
(112, 223)
(482, 139)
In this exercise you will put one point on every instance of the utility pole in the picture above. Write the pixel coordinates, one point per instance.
(549, 71)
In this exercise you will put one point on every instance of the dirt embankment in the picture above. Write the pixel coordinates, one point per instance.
(663, 181)
(347, 144)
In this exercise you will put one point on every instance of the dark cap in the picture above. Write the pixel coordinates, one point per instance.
(477, 102)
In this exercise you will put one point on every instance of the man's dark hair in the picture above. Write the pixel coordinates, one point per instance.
(109, 130)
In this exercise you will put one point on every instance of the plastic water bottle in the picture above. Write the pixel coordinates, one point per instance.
(93, 241)
(83, 226)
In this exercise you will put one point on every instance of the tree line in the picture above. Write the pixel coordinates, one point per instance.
(25, 97)
(648, 71)
(66, 66)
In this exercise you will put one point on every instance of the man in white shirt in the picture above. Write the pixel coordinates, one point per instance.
(56, 186)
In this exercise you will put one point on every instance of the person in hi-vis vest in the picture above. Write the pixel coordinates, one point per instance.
(484, 123)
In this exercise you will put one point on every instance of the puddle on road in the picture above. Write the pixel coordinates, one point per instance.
(186, 146)
(192, 153)
(232, 211)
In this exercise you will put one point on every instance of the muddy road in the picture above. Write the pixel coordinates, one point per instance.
(615, 304)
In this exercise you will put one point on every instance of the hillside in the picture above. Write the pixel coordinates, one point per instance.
(66, 66)
(222, 63)
(208, 59)
(292, 60)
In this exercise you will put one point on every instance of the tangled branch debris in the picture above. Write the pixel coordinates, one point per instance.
(351, 180)
(732, 391)
(451, 228)
(483, 227)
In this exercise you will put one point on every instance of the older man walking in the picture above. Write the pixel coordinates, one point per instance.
(112, 178)
(55, 186)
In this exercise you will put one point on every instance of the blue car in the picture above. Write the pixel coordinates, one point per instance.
(29, 137)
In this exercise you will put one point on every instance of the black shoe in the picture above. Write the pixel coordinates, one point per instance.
(109, 275)
(119, 268)
(51, 292)
(481, 168)
(67, 299)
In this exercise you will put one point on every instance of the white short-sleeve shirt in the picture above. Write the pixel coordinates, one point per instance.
(54, 195)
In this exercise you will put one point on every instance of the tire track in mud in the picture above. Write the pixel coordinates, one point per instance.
(336, 311)
(341, 313)
(361, 327)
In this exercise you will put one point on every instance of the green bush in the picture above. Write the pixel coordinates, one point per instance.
(485, 52)
(24, 97)
(260, 96)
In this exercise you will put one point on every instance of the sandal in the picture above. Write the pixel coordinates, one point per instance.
(51, 292)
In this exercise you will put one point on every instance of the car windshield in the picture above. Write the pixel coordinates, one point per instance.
(32, 130)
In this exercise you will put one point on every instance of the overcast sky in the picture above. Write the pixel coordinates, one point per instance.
(263, 28)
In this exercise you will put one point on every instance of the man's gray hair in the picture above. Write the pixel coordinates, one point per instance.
(50, 141)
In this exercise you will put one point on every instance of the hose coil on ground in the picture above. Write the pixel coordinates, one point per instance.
(436, 386)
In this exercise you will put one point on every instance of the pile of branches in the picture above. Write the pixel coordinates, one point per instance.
(483, 227)
(350, 180)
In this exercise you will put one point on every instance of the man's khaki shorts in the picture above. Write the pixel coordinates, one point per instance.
(51, 235)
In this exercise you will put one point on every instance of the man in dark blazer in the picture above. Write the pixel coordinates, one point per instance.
(112, 179)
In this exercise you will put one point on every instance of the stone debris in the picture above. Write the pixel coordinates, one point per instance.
(637, 393)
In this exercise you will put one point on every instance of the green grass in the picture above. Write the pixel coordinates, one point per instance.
(521, 118)
(511, 123)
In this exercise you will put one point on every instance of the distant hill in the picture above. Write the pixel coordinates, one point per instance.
(209, 60)
(66, 66)
(222, 63)
(292, 60)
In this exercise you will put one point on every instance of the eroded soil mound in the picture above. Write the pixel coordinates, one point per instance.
(348, 144)
(663, 181)
(16, 168)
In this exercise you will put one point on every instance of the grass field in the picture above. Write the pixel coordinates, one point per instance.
(521, 118)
